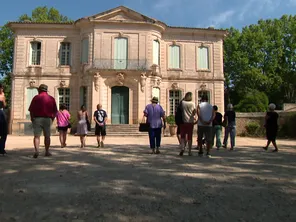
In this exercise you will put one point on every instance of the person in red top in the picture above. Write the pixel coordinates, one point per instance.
(43, 110)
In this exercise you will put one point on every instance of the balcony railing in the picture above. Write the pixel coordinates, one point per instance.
(126, 64)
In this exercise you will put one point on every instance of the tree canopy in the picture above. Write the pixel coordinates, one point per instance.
(262, 57)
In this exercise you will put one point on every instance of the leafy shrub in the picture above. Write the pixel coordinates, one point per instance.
(252, 128)
(170, 119)
(253, 101)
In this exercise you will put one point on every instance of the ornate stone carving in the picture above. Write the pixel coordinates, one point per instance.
(96, 80)
(156, 81)
(32, 83)
(203, 87)
(62, 83)
(143, 81)
(155, 70)
(120, 34)
(175, 86)
(120, 78)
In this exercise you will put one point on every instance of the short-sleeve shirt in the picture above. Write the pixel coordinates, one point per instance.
(43, 105)
(205, 112)
(154, 115)
(63, 118)
(100, 116)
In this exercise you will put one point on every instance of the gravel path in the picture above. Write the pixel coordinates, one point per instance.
(122, 182)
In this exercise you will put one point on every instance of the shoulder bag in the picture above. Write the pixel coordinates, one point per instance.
(144, 126)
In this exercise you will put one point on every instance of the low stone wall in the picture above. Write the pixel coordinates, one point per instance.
(242, 119)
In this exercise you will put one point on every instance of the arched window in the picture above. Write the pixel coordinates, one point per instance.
(35, 53)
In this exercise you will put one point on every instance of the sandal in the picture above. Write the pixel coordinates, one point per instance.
(152, 151)
(265, 148)
(35, 155)
(48, 154)
(275, 151)
(181, 153)
(157, 152)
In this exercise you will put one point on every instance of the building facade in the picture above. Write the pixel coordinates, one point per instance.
(119, 58)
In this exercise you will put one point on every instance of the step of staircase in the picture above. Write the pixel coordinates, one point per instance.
(121, 130)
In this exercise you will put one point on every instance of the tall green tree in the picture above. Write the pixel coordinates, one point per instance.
(262, 57)
(39, 14)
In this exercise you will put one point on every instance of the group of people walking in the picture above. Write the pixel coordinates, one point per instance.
(209, 122)
(43, 110)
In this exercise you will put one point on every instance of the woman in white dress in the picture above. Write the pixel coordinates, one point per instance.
(82, 117)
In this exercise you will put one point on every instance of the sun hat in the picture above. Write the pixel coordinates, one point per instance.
(154, 99)
(43, 87)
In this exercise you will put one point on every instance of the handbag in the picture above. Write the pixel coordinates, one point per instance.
(69, 124)
(144, 126)
(224, 123)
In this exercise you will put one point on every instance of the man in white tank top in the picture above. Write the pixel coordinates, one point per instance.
(206, 116)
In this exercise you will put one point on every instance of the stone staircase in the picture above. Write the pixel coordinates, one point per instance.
(121, 130)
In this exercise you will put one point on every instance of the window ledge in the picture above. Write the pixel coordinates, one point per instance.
(64, 66)
(175, 69)
(34, 66)
(203, 70)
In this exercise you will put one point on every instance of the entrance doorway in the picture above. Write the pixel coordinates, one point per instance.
(119, 105)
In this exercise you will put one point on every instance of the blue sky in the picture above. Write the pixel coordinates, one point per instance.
(193, 13)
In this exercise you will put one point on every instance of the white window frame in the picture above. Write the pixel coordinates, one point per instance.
(156, 52)
(65, 51)
(199, 65)
(35, 53)
(64, 97)
(174, 101)
(171, 54)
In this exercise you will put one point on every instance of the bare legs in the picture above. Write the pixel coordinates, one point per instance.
(82, 141)
(36, 142)
(100, 142)
(273, 143)
(63, 138)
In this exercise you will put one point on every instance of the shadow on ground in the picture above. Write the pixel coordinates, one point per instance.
(125, 183)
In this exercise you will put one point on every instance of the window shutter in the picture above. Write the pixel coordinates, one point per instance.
(174, 60)
(156, 52)
(31, 92)
(84, 55)
(120, 53)
(203, 58)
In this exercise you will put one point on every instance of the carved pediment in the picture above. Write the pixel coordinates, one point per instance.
(121, 14)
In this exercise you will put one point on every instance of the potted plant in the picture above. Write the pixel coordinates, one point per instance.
(172, 124)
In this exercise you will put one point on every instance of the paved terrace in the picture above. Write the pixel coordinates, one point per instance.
(122, 182)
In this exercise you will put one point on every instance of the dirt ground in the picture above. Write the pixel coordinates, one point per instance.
(122, 182)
